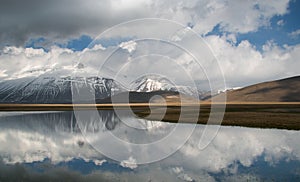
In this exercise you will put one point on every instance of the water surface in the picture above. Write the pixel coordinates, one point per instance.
(56, 146)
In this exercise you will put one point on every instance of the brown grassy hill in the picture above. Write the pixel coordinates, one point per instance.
(285, 90)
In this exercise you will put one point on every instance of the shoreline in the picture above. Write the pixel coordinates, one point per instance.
(280, 115)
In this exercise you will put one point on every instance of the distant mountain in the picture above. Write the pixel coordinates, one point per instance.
(54, 88)
(285, 90)
(51, 89)
(155, 83)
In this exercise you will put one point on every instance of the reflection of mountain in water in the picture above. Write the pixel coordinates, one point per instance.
(60, 136)
(60, 121)
(55, 135)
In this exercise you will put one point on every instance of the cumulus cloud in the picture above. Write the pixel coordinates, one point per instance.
(232, 16)
(129, 46)
(22, 20)
(18, 62)
(243, 64)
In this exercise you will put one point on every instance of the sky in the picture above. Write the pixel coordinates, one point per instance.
(253, 41)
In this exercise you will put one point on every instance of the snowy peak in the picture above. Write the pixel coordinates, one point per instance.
(156, 83)
(149, 84)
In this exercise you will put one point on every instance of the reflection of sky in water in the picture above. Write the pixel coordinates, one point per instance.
(43, 146)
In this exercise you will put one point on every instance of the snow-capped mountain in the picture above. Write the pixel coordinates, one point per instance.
(156, 83)
(56, 86)
(55, 89)
(151, 83)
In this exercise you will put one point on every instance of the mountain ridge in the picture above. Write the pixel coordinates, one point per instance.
(48, 89)
(282, 90)
(53, 88)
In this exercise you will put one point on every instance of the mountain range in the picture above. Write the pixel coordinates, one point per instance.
(48, 89)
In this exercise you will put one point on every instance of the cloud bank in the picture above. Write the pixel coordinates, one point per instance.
(242, 64)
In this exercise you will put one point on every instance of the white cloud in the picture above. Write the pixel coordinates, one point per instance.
(12, 50)
(129, 163)
(129, 46)
(295, 33)
(99, 162)
(280, 22)
(233, 16)
(17, 62)
(244, 64)
(238, 144)
(121, 5)
(180, 173)
(31, 52)
(177, 170)
(3, 74)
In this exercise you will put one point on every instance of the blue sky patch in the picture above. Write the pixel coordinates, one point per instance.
(38, 43)
(80, 43)
(279, 31)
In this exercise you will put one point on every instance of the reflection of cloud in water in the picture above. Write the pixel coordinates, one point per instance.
(20, 173)
(243, 145)
(34, 137)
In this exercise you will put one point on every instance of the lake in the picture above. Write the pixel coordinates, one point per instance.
(114, 146)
